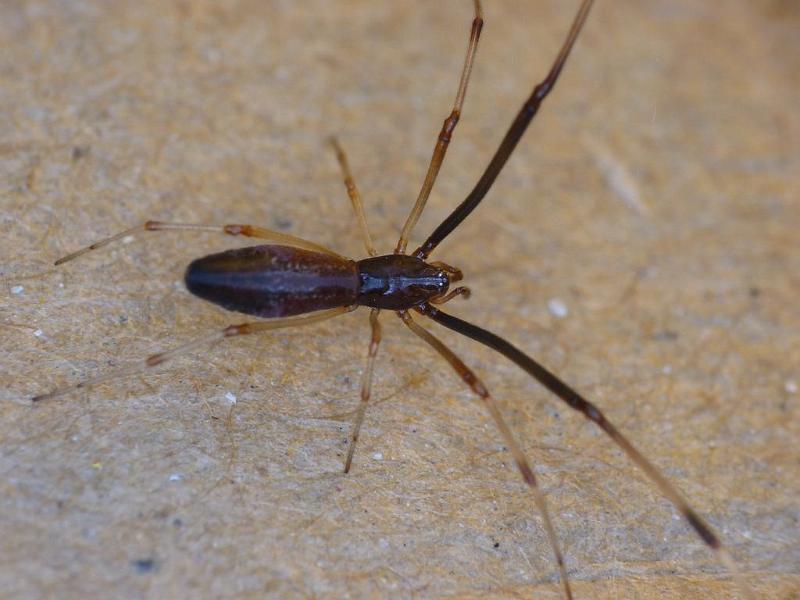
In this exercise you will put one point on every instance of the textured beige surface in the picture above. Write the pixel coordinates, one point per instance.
(657, 198)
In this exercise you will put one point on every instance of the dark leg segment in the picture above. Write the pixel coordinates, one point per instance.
(515, 132)
(476, 385)
(366, 385)
(591, 412)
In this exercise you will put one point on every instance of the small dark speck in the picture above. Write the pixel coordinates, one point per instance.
(754, 292)
(123, 319)
(666, 335)
(177, 522)
(282, 223)
(144, 565)
(497, 544)
(78, 152)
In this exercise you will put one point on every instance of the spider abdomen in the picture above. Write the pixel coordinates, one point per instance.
(274, 281)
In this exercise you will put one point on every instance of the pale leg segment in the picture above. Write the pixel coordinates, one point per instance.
(446, 133)
(355, 196)
(222, 334)
(476, 385)
(366, 386)
(232, 229)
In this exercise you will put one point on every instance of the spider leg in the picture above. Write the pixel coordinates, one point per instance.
(231, 229)
(217, 336)
(443, 141)
(477, 386)
(366, 386)
(590, 411)
(355, 196)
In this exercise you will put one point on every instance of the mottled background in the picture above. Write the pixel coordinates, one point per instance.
(656, 201)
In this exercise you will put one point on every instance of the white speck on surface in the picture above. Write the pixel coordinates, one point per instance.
(790, 386)
(383, 543)
(127, 239)
(231, 398)
(175, 477)
(666, 369)
(17, 289)
(378, 456)
(38, 333)
(212, 55)
(557, 308)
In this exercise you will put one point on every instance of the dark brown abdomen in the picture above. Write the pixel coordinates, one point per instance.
(273, 281)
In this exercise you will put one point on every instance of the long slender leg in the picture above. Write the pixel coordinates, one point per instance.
(366, 386)
(591, 412)
(355, 196)
(222, 334)
(519, 456)
(245, 230)
(445, 134)
(518, 127)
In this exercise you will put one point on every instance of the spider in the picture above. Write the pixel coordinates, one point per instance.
(289, 282)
